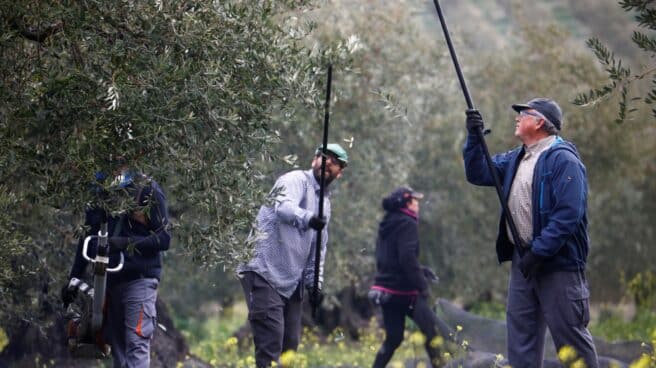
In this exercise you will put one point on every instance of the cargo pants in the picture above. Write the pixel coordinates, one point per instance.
(557, 300)
(131, 321)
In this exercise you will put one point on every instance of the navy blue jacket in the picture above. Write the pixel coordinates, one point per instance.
(149, 238)
(397, 253)
(560, 225)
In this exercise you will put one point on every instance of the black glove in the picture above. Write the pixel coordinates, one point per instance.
(68, 295)
(430, 275)
(317, 223)
(315, 300)
(474, 121)
(119, 242)
(530, 264)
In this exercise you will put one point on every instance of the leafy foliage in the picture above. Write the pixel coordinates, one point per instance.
(406, 115)
(184, 91)
(642, 287)
(620, 78)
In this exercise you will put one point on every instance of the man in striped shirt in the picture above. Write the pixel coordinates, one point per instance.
(283, 264)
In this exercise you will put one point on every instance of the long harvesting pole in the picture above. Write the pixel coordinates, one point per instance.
(470, 105)
(322, 187)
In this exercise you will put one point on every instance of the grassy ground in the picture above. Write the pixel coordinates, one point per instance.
(212, 340)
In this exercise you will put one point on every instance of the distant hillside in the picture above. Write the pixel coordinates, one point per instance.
(492, 23)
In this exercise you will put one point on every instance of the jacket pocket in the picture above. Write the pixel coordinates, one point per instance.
(578, 310)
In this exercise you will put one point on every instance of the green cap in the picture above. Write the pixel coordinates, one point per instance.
(335, 149)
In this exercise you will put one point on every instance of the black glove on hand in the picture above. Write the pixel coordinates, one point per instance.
(68, 295)
(120, 242)
(317, 223)
(315, 300)
(430, 275)
(529, 264)
(474, 121)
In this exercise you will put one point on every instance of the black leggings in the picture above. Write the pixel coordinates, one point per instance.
(394, 313)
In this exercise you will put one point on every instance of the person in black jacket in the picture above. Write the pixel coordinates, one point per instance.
(141, 235)
(401, 283)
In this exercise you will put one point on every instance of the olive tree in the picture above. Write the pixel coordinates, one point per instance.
(186, 92)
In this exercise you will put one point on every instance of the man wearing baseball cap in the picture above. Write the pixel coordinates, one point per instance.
(283, 265)
(545, 185)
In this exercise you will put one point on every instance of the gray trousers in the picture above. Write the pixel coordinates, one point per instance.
(131, 321)
(275, 320)
(557, 300)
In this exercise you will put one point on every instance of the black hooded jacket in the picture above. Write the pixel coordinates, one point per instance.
(397, 253)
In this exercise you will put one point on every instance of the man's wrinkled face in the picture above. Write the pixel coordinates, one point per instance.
(527, 123)
(333, 170)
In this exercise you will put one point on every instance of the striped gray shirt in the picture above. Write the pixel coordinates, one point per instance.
(284, 256)
(520, 201)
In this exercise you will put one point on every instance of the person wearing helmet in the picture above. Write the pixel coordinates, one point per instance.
(275, 279)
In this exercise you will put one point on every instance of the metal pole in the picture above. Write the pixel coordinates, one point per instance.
(100, 278)
(470, 105)
(322, 186)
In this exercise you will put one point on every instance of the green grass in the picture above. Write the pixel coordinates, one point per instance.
(489, 310)
(613, 327)
(610, 325)
(211, 339)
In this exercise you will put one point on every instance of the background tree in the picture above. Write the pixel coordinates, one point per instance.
(621, 79)
(404, 111)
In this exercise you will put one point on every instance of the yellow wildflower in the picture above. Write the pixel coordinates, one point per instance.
(437, 341)
(230, 342)
(417, 338)
(643, 362)
(567, 354)
(458, 328)
(579, 363)
(288, 358)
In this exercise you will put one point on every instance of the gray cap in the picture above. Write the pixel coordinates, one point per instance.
(545, 106)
